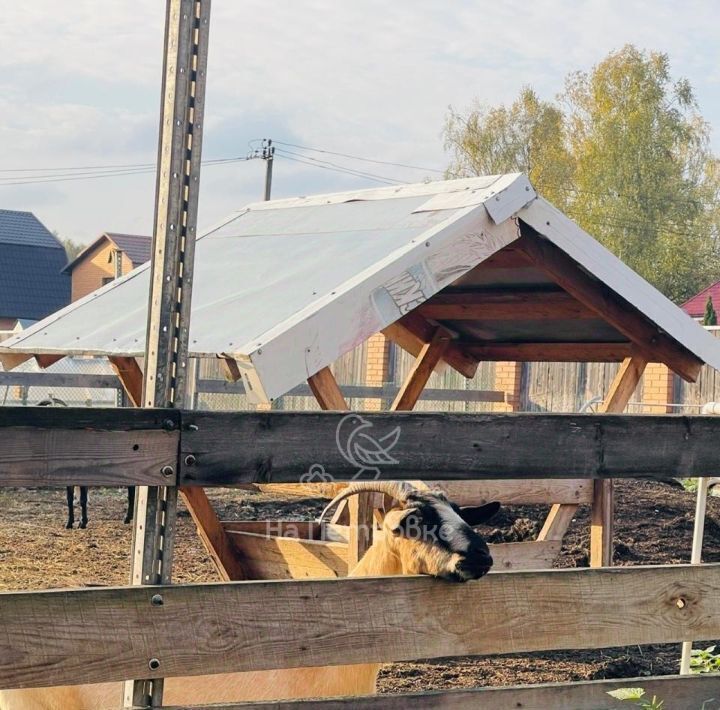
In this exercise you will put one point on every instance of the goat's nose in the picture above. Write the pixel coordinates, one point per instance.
(476, 566)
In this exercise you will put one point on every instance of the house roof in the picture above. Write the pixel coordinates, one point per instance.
(136, 247)
(25, 229)
(286, 287)
(695, 307)
(31, 259)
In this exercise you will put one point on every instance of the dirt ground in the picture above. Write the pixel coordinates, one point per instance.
(653, 525)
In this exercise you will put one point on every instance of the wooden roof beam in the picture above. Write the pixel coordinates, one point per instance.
(549, 352)
(413, 331)
(654, 345)
(506, 304)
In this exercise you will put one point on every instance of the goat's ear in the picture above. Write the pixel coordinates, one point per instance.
(479, 515)
(398, 520)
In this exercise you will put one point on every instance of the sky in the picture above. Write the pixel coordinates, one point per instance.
(80, 86)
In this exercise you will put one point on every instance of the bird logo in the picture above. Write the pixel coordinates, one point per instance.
(364, 451)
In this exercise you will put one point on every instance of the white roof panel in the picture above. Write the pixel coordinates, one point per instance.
(288, 286)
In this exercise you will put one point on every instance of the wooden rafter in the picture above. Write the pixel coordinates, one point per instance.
(653, 344)
(230, 368)
(46, 360)
(130, 375)
(413, 331)
(426, 361)
(505, 304)
(211, 532)
(549, 352)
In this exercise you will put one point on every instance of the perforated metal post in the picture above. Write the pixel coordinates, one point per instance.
(171, 276)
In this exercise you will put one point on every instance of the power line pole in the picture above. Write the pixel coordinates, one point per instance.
(268, 155)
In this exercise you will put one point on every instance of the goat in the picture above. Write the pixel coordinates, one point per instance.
(423, 534)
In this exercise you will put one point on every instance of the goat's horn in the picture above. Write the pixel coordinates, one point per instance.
(396, 489)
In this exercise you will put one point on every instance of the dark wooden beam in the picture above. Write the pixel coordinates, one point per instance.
(58, 446)
(549, 352)
(655, 345)
(413, 331)
(501, 304)
(249, 626)
(279, 447)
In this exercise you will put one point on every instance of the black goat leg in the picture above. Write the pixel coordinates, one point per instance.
(83, 506)
(131, 505)
(71, 513)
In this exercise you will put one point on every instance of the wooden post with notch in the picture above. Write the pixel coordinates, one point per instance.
(171, 276)
(359, 510)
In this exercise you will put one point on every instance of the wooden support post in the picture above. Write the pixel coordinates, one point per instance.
(603, 508)
(429, 356)
(358, 509)
(187, 25)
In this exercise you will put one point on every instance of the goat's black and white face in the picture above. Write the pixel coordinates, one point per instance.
(433, 536)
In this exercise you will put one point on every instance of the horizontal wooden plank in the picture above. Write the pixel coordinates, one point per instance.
(58, 379)
(433, 394)
(505, 304)
(46, 446)
(678, 692)
(514, 492)
(233, 448)
(550, 352)
(58, 637)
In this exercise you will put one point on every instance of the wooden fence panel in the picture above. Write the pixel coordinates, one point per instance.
(53, 446)
(60, 637)
(689, 693)
(229, 449)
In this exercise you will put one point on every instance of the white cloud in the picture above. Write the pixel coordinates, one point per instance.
(81, 86)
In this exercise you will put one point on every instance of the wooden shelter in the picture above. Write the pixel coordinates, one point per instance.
(454, 272)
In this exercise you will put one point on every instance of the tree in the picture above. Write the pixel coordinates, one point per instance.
(528, 137)
(710, 317)
(72, 248)
(641, 155)
(625, 152)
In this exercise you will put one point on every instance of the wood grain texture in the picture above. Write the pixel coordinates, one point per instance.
(413, 331)
(130, 375)
(549, 352)
(602, 514)
(500, 304)
(514, 492)
(58, 446)
(213, 535)
(678, 693)
(272, 557)
(281, 446)
(427, 359)
(326, 391)
(652, 342)
(557, 521)
(261, 625)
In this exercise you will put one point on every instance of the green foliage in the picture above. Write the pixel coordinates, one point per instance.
(705, 660)
(637, 697)
(624, 152)
(710, 317)
(72, 248)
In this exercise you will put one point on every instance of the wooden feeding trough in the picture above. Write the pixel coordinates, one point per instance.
(454, 272)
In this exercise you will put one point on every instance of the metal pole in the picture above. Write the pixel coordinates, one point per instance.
(171, 276)
(268, 155)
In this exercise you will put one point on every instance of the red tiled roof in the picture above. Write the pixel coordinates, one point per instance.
(695, 307)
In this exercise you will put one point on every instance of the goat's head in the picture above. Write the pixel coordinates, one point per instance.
(428, 533)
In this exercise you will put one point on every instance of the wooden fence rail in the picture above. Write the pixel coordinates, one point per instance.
(58, 637)
(689, 692)
(81, 446)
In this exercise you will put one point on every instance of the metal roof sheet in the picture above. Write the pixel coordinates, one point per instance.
(288, 286)
(25, 229)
